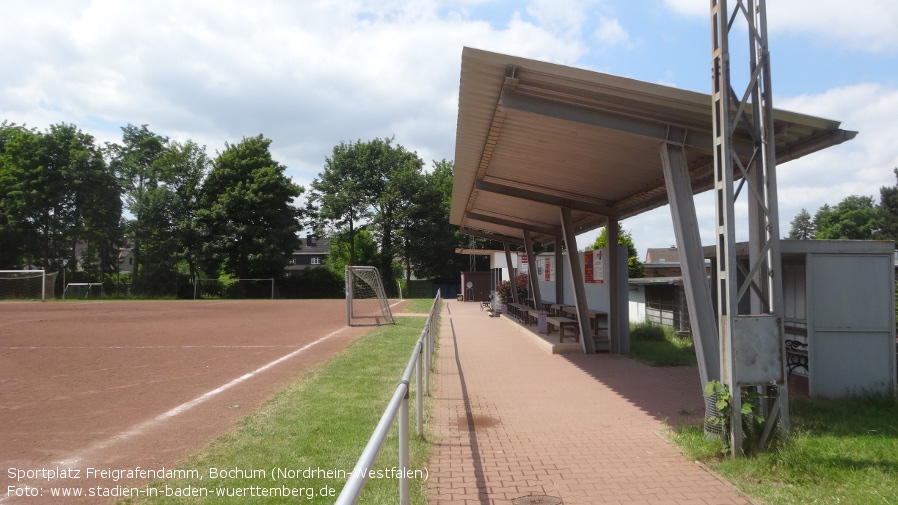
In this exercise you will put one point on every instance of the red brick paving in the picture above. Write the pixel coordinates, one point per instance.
(511, 420)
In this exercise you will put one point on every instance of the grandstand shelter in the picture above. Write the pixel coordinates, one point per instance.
(545, 152)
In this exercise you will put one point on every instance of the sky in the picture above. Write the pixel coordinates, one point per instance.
(311, 74)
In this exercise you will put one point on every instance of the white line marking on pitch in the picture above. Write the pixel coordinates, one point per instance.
(184, 407)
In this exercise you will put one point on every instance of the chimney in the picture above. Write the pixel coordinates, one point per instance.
(309, 241)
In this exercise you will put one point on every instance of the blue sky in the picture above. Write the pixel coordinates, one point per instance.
(310, 74)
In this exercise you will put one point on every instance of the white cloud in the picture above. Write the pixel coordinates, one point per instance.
(563, 18)
(306, 74)
(611, 33)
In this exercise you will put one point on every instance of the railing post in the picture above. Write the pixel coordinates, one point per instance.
(404, 485)
(419, 393)
(428, 351)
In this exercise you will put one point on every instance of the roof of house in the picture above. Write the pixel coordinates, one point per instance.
(662, 255)
(315, 246)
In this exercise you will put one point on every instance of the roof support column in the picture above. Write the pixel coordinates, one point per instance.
(531, 270)
(559, 268)
(511, 273)
(618, 291)
(576, 277)
(689, 244)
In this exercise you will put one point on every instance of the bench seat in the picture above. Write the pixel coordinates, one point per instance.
(563, 323)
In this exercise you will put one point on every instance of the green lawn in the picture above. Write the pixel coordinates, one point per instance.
(843, 452)
(316, 426)
(657, 345)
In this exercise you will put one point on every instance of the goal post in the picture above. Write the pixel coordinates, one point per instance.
(27, 284)
(366, 301)
(234, 288)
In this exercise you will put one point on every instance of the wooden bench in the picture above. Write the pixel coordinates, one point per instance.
(561, 323)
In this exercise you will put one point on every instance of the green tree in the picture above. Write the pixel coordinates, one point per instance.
(183, 167)
(60, 203)
(854, 218)
(635, 268)
(19, 167)
(340, 197)
(135, 163)
(888, 211)
(802, 226)
(246, 219)
(367, 183)
(430, 240)
(365, 248)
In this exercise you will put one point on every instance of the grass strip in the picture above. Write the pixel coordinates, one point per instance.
(418, 305)
(840, 451)
(317, 426)
(657, 345)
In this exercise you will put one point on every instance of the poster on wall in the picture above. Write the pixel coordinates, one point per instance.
(550, 272)
(594, 267)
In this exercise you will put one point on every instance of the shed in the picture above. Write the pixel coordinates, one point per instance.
(839, 298)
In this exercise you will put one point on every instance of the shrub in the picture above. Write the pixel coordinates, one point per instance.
(522, 284)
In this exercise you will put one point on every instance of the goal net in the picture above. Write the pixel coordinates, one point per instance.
(366, 302)
(234, 288)
(27, 284)
(82, 290)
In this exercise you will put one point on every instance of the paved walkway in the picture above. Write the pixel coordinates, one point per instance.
(512, 421)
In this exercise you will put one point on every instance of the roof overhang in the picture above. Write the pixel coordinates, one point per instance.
(533, 137)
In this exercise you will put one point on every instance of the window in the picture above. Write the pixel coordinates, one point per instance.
(316, 260)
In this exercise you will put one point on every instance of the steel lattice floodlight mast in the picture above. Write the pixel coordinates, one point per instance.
(751, 343)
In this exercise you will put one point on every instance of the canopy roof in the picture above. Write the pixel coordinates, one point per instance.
(534, 136)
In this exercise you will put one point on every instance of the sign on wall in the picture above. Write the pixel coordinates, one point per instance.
(594, 267)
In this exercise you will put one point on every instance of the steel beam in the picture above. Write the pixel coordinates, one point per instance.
(541, 197)
(695, 136)
(531, 270)
(692, 262)
(614, 302)
(514, 291)
(576, 277)
(511, 223)
(559, 268)
(493, 236)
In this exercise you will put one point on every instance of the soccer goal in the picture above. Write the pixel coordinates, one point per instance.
(234, 288)
(366, 302)
(82, 290)
(26, 284)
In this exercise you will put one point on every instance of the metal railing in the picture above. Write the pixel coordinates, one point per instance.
(420, 364)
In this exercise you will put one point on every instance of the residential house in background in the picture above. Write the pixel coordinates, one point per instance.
(312, 254)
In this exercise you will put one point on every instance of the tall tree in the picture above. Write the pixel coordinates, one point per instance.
(60, 203)
(19, 167)
(430, 240)
(854, 218)
(367, 183)
(134, 161)
(888, 211)
(183, 167)
(246, 219)
(802, 226)
(635, 267)
(340, 197)
(366, 250)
